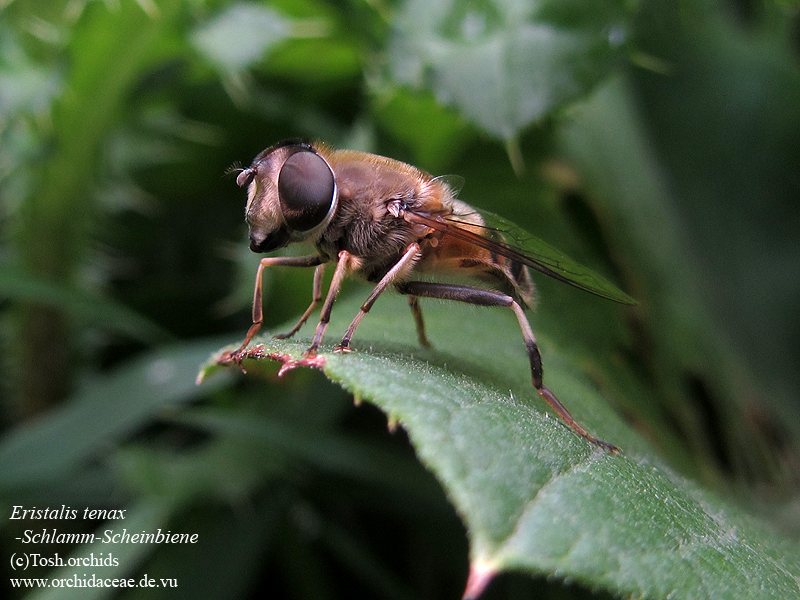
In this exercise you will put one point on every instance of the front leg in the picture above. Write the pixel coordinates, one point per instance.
(258, 297)
(344, 265)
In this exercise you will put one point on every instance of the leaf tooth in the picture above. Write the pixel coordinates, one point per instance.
(480, 574)
(392, 421)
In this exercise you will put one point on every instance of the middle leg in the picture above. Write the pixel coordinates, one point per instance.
(344, 265)
(401, 266)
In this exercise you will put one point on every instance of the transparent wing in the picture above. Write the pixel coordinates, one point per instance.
(503, 237)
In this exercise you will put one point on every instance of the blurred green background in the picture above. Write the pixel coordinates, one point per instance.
(656, 141)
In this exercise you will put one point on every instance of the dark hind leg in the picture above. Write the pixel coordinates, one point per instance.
(470, 295)
(416, 311)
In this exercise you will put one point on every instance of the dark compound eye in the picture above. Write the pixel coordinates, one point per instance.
(307, 190)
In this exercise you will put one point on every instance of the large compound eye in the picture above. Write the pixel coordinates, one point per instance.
(307, 190)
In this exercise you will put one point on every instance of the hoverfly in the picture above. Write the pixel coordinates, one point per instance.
(389, 222)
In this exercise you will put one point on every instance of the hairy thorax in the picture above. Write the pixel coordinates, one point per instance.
(369, 222)
(375, 192)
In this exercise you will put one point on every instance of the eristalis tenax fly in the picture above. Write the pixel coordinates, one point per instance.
(395, 226)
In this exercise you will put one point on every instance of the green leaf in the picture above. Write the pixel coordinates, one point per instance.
(253, 29)
(435, 132)
(506, 64)
(533, 495)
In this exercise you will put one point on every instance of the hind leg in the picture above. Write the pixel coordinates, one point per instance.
(470, 295)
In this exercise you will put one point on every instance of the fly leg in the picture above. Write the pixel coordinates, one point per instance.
(345, 263)
(258, 309)
(480, 297)
(401, 267)
(416, 311)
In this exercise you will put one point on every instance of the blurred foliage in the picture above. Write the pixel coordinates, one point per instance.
(655, 141)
